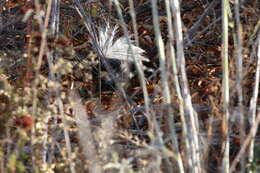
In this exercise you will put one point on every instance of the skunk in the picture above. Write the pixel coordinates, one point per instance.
(117, 53)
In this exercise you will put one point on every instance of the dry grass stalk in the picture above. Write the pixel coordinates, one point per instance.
(85, 134)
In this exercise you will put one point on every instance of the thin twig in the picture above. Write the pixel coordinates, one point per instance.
(44, 29)
(197, 24)
(249, 138)
(253, 101)
(189, 43)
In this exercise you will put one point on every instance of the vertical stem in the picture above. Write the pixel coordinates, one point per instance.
(239, 72)
(178, 91)
(160, 45)
(133, 16)
(225, 161)
(193, 119)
